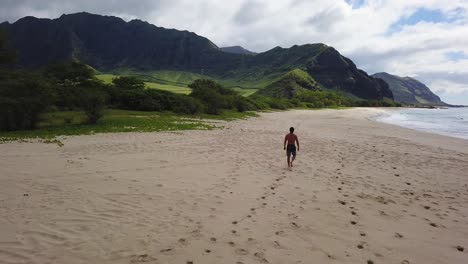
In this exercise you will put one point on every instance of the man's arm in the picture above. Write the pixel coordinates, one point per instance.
(297, 140)
(285, 139)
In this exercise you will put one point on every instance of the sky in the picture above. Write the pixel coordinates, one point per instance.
(423, 39)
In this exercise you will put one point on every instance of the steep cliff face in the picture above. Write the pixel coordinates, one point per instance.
(334, 71)
(407, 90)
(107, 43)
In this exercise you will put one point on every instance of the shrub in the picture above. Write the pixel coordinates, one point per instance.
(128, 83)
(214, 96)
(93, 102)
(23, 98)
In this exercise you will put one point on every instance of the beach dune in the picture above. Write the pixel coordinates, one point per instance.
(360, 192)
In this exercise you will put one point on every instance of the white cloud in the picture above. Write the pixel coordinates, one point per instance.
(445, 87)
(359, 31)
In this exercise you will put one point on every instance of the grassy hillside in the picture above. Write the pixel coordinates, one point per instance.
(290, 84)
(172, 81)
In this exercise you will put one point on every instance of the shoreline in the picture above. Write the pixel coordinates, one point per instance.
(360, 190)
(387, 112)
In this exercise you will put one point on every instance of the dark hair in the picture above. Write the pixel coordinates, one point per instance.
(291, 129)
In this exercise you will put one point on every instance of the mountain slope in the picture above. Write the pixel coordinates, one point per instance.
(289, 84)
(338, 72)
(407, 90)
(109, 43)
(237, 50)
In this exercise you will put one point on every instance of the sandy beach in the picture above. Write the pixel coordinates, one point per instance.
(360, 192)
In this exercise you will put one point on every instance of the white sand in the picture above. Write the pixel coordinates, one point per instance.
(226, 196)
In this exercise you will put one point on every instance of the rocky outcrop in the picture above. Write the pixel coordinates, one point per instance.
(407, 90)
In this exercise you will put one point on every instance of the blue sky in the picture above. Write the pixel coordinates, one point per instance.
(424, 39)
(355, 3)
(420, 15)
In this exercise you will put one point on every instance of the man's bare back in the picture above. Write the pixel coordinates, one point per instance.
(291, 140)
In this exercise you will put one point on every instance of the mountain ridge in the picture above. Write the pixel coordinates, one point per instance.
(238, 50)
(108, 43)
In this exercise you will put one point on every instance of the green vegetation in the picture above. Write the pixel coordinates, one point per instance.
(169, 88)
(23, 97)
(298, 88)
(70, 99)
(290, 84)
(106, 78)
(245, 91)
(181, 89)
(67, 99)
(71, 123)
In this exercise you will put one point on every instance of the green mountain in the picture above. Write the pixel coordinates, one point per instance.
(238, 50)
(407, 90)
(109, 44)
(290, 84)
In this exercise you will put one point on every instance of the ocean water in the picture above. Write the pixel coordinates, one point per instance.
(450, 122)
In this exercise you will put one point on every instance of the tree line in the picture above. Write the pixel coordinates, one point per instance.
(25, 96)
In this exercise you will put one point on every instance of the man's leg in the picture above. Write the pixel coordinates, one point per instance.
(289, 157)
(293, 158)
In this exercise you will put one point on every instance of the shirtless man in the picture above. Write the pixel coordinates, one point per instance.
(291, 139)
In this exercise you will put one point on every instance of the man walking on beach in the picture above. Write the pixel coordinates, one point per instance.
(291, 139)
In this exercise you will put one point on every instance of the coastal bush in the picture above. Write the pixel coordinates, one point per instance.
(321, 99)
(23, 98)
(93, 103)
(214, 96)
(128, 83)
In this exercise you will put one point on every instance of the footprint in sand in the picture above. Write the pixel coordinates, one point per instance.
(167, 251)
(279, 233)
(261, 257)
(183, 241)
(142, 258)
(241, 251)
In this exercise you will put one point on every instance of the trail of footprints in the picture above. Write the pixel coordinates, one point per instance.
(391, 191)
(17, 253)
